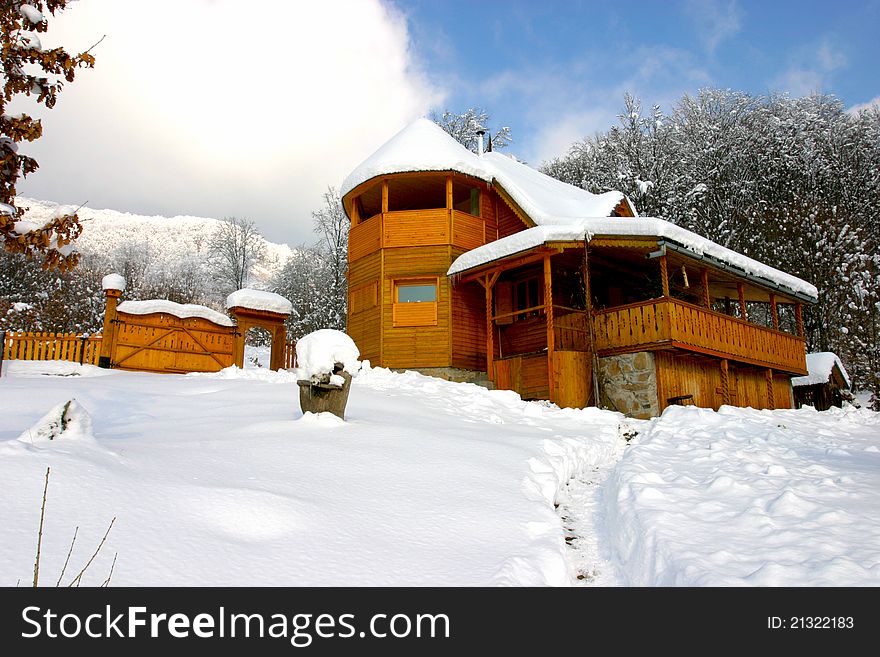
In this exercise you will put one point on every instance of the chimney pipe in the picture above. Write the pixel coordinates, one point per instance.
(480, 133)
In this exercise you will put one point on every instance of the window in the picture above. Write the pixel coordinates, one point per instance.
(415, 302)
(416, 292)
(527, 294)
(465, 198)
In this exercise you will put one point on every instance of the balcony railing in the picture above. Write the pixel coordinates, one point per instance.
(415, 228)
(686, 326)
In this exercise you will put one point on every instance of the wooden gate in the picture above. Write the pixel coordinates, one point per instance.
(161, 342)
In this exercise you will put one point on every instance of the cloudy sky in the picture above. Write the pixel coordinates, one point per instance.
(234, 108)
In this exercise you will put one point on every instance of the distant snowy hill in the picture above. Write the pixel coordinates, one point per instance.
(168, 239)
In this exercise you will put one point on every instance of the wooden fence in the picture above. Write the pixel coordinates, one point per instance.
(74, 347)
(52, 346)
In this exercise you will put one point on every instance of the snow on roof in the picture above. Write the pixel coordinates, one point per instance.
(425, 146)
(820, 366)
(181, 310)
(113, 282)
(259, 300)
(641, 227)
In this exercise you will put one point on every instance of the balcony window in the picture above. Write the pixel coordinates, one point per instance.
(416, 193)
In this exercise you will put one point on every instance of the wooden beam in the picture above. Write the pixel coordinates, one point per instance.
(704, 279)
(740, 290)
(725, 382)
(548, 305)
(501, 266)
(489, 283)
(384, 195)
(799, 318)
(664, 275)
(774, 311)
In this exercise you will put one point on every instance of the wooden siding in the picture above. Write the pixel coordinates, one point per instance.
(469, 327)
(682, 374)
(71, 347)
(364, 323)
(416, 346)
(572, 371)
(508, 222)
(414, 314)
(467, 230)
(670, 322)
(365, 238)
(526, 375)
(524, 336)
(415, 228)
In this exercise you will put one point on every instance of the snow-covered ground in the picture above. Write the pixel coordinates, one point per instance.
(746, 497)
(220, 480)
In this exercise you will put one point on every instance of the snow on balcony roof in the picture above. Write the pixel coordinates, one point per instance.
(425, 146)
(634, 227)
(180, 310)
(819, 368)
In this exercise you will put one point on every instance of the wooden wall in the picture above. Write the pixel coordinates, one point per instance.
(680, 374)
(416, 346)
(363, 319)
(527, 375)
(508, 222)
(469, 326)
(572, 372)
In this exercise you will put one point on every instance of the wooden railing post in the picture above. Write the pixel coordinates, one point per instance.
(774, 311)
(704, 280)
(799, 318)
(740, 290)
(664, 276)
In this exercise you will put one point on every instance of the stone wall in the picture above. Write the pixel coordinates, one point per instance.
(455, 374)
(628, 383)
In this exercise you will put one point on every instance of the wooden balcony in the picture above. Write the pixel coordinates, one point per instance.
(672, 323)
(415, 228)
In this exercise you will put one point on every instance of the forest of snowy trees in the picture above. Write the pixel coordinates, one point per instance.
(792, 182)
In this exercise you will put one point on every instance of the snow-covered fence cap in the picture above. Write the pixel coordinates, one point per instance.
(318, 352)
(259, 300)
(113, 282)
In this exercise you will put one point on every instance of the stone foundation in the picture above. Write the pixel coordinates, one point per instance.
(455, 374)
(628, 383)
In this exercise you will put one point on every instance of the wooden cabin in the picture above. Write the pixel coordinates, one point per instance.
(476, 266)
(825, 385)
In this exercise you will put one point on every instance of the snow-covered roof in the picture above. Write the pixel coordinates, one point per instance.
(425, 146)
(181, 310)
(819, 368)
(259, 300)
(640, 227)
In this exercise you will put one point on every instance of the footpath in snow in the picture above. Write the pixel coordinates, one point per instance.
(219, 479)
(746, 497)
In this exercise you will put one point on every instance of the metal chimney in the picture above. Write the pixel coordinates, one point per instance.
(480, 133)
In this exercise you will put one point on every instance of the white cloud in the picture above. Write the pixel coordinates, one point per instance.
(812, 69)
(218, 108)
(715, 20)
(873, 103)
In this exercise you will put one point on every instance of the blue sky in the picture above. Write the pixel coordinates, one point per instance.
(556, 71)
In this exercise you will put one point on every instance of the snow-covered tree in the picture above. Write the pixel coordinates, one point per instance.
(30, 70)
(332, 226)
(794, 182)
(463, 128)
(234, 249)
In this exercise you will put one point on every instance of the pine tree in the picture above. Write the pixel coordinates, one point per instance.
(20, 49)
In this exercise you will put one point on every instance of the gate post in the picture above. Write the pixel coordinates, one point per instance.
(114, 286)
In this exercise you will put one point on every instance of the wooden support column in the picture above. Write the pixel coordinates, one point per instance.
(774, 312)
(489, 284)
(355, 211)
(664, 275)
(740, 290)
(725, 382)
(799, 318)
(594, 357)
(449, 209)
(108, 339)
(384, 196)
(548, 306)
(704, 281)
(768, 376)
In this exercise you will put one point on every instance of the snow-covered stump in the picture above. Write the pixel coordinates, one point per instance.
(323, 396)
(326, 362)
